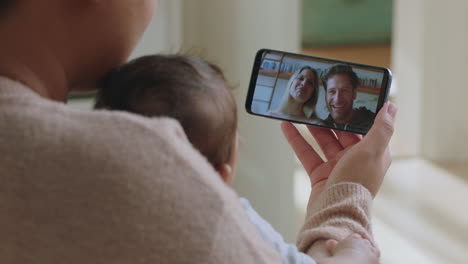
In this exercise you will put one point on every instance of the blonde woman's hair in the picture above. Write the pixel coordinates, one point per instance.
(309, 106)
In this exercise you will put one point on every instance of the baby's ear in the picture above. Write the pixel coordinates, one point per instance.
(225, 171)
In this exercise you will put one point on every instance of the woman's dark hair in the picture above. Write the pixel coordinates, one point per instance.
(185, 88)
(340, 68)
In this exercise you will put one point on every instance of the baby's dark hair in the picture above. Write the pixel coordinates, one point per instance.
(185, 88)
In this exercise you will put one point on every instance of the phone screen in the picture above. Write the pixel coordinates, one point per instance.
(317, 91)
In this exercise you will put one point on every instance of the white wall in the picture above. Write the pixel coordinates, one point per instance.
(407, 60)
(430, 62)
(164, 32)
(229, 33)
(445, 86)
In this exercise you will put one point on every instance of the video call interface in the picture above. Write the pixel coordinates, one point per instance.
(316, 91)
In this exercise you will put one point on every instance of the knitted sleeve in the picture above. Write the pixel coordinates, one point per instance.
(340, 210)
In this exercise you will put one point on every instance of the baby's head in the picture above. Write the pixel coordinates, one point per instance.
(185, 88)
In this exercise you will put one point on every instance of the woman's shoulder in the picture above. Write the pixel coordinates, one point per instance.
(105, 135)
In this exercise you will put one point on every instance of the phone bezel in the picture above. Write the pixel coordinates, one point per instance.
(383, 96)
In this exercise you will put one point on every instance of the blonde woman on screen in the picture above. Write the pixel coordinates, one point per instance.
(300, 96)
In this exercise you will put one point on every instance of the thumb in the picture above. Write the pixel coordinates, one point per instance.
(331, 245)
(382, 130)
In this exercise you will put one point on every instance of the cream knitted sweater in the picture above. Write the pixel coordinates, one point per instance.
(111, 187)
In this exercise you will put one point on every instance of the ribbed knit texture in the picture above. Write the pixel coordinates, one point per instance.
(341, 210)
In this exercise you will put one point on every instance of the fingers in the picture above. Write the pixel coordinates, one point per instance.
(380, 133)
(331, 244)
(327, 141)
(305, 153)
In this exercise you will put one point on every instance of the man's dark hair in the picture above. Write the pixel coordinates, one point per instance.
(185, 88)
(340, 68)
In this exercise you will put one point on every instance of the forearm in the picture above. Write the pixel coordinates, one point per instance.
(337, 212)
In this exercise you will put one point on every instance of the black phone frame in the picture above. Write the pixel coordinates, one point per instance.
(383, 96)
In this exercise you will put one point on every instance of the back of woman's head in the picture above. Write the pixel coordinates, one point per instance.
(181, 87)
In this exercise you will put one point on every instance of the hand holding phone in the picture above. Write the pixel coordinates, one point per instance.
(317, 91)
(348, 157)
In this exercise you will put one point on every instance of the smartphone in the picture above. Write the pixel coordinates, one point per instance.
(310, 90)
